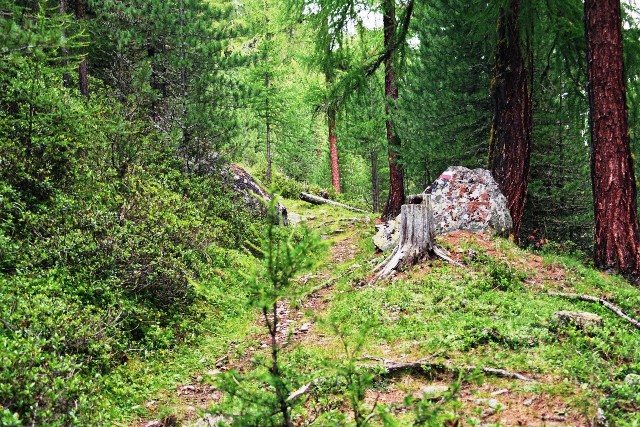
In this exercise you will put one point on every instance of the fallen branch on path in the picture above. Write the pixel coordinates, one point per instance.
(617, 310)
(392, 367)
(322, 201)
(330, 282)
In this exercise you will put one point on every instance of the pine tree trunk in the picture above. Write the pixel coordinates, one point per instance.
(333, 148)
(396, 175)
(267, 83)
(510, 145)
(82, 68)
(617, 233)
(186, 132)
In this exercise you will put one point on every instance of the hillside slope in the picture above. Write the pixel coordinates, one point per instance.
(493, 314)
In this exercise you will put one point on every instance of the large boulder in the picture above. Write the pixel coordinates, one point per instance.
(246, 190)
(465, 199)
(250, 192)
(461, 199)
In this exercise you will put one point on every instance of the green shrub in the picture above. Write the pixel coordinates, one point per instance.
(53, 348)
(498, 274)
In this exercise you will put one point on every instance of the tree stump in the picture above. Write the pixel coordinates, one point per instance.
(416, 240)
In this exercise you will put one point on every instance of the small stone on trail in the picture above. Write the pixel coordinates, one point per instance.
(490, 403)
(432, 392)
(530, 401)
(186, 389)
(305, 327)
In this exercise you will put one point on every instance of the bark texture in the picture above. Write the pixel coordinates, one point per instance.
(375, 181)
(510, 146)
(617, 233)
(396, 174)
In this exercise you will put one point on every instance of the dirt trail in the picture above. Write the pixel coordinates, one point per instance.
(496, 401)
(293, 326)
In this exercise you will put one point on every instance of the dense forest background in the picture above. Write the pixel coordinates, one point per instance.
(116, 118)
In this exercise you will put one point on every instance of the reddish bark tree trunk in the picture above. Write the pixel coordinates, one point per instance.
(82, 68)
(510, 146)
(617, 233)
(396, 175)
(333, 149)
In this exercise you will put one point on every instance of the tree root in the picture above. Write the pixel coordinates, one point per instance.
(392, 367)
(617, 310)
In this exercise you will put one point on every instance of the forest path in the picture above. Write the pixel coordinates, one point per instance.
(342, 230)
(493, 312)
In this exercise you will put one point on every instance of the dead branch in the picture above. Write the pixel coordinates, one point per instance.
(330, 282)
(617, 310)
(392, 367)
(321, 201)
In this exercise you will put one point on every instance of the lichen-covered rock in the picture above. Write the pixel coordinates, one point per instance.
(580, 319)
(461, 199)
(387, 236)
(465, 199)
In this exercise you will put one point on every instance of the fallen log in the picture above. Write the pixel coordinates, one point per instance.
(617, 310)
(322, 201)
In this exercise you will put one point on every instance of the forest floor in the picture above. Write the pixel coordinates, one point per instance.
(494, 312)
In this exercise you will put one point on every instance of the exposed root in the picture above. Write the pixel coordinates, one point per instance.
(392, 367)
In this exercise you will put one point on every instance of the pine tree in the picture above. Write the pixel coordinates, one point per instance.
(617, 231)
(396, 174)
(510, 145)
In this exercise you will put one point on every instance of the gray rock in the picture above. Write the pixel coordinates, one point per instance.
(434, 389)
(246, 189)
(489, 403)
(295, 219)
(632, 380)
(388, 234)
(580, 319)
(462, 199)
(250, 192)
(465, 199)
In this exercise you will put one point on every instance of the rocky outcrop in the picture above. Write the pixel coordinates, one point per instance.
(462, 199)
(250, 192)
(465, 199)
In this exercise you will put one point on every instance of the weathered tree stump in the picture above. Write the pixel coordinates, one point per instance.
(416, 240)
